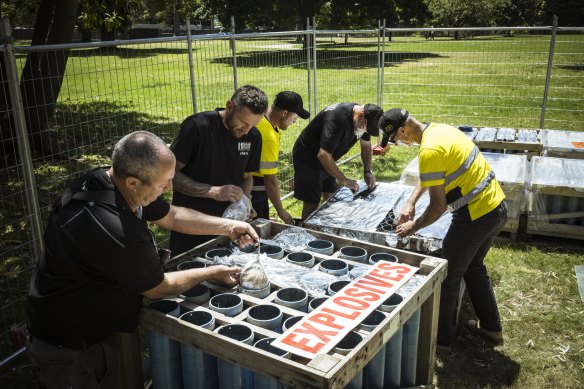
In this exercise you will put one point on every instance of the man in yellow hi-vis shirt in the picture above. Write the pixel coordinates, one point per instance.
(458, 179)
(286, 108)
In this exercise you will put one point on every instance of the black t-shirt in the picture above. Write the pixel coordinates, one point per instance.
(212, 155)
(99, 257)
(332, 130)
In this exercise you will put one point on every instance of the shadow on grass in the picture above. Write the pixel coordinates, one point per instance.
(326, 59)
(474, 362)
(129, 52)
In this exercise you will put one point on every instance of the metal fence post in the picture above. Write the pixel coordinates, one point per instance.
(379, 62)
(307, 41)
(314, 66)
(233, 53)
(191, 65)
(382, 63)
(21, 133)
(549, 72)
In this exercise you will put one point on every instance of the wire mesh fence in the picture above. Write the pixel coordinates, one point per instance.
(90, 95)
(484, 77)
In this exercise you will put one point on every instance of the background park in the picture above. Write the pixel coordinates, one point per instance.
(85, 83)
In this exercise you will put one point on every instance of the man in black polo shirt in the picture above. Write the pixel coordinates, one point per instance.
(100, 259)
(328, 137)
(216, 153)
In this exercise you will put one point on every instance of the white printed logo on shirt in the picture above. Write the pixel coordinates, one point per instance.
(244, 148)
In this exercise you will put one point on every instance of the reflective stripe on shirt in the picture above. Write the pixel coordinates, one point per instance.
(467, 198)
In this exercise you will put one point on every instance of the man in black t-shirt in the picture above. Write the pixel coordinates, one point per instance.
(100, 259)
(328, 137)
(216, 153)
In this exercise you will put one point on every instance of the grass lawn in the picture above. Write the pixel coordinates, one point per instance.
(484, 81)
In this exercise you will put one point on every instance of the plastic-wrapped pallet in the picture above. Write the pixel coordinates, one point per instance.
(511, 173)
(486, 134)
(557, 197)
(566, 144)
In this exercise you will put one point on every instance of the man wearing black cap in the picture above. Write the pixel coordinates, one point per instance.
(286, 108)
(459, 180)
(328, 137)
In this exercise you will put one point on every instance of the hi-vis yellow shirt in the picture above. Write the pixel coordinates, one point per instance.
(444, 151)
(270, 148)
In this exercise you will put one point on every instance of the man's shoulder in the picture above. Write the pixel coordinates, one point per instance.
(202, 120)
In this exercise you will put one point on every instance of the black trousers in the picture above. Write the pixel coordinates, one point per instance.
(465, 246)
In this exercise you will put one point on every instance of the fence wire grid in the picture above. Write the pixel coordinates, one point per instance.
(497, 78)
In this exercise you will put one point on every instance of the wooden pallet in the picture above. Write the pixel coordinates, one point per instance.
(326, 371)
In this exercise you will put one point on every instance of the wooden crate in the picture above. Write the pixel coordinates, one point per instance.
(557, 195)
(326, 371)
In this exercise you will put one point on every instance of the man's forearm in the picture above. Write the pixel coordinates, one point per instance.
(187, 186)
(430, 215)
(366, 155)
(416, 193)
(273, 191)
(247, 184)
(328, 163)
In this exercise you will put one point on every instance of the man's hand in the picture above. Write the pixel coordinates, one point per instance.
(369, 179)
(405, 229)
(252, 215)
(406, 214)
(226, 193)
(227, 275)
(242, 233)
(286, 217)
(351, 184)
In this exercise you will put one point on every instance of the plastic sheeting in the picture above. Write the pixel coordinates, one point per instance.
(365, 218)
(505, 135)
(527, 136)
(558, 143)
(486, 134)
(557, 195)
(557, 172)
(315, 282)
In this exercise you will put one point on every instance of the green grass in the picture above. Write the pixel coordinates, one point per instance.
(484, 81)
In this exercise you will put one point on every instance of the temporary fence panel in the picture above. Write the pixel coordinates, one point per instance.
(491, 77)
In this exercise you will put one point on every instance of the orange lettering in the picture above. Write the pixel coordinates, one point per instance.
(302, 344)
(307, 328)
(341, 314)
(351, 303)
(325, 320)
(368, 296)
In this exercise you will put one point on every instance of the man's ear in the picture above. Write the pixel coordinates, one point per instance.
(132, 183)
(229, 105)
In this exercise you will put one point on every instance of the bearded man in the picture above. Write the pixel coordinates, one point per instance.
(216, 153)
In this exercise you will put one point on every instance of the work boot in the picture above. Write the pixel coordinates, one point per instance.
(495, 337)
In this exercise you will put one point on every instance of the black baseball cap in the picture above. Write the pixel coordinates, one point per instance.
(372, 113)
(390, 122)
(291, 101)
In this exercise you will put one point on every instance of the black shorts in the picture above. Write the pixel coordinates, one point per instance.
(310, 183)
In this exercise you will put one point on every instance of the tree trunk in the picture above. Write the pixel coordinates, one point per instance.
(43, 72)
